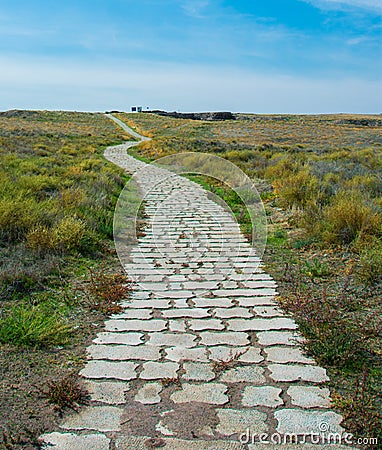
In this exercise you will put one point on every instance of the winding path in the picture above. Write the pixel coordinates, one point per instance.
(201, 354)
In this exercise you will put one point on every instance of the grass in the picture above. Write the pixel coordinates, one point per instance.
(57, 199)
(33, 326)
(320, 180)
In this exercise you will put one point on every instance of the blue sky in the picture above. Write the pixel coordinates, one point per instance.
(265, 56)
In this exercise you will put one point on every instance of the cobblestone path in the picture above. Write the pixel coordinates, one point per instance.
(201, 354)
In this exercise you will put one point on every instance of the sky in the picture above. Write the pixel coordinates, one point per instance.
(260, 56)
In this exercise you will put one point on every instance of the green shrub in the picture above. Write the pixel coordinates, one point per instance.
(40, 238)
(17, 217)
(370, 270)
(297, 189)
(33, 326)
(69, 232)
(348, 217)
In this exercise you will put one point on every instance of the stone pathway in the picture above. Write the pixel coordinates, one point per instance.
(201, 354)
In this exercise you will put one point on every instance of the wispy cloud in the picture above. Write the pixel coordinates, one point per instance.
(374, 5)
(195, 8)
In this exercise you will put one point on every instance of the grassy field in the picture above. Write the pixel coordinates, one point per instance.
(320, 180)
(57, 197)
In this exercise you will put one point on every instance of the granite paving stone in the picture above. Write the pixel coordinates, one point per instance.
(233, 421)
(164, 339)
(99, 418)
(248, 374)
(158, 370)
(124, 352)
(287, 355)
(187, 354)
(106, 369)
(228, 338)
(135, 325)
(109, 392)
(149, 394)
(212, 393)
(298, 421)
(119, 338)
(252, 355)
(294, 372)
(262, 396)
(206, 324)
(198, 372)
(71, 441)
(233, 312)
(261, 324)
(278, 337)
(309, 396)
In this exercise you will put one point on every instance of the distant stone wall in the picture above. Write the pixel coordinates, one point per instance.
(196, 116)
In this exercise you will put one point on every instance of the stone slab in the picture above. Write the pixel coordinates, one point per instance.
(246, 374)
(261, 324)
(287, 355)
(141, 443)
(119, 338)
(262, 396)
(223, 353)
(108, 392)
(149, 394)
(124, 352)
(225, 313)
(187, 354)
(234, 421)
(135, 325)
(71, 441)
(229, 338)
(252, 355)
(211, 393)
(159, 370)
(198, 372)
(289, 372)
(172, 340)
(114, 370)
(309, 396)
(206, 324)
(305, 422)
(278, 337)
(99, 418)
(186, 312)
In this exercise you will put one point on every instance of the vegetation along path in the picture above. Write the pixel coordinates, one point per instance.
(200, 357)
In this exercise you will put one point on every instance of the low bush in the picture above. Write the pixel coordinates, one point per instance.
(348, 217)
(370, 269)
(296, 189)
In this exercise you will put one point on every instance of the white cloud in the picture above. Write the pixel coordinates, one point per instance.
(52, 84)
(375, 5)
(195, 8)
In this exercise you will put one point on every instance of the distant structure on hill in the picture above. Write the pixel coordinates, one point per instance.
(136, 109)
(225, 115)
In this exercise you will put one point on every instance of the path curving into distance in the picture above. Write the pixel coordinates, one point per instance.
(201, 355)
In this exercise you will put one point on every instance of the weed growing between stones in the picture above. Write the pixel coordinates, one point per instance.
(67, 392)
(106, 291)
